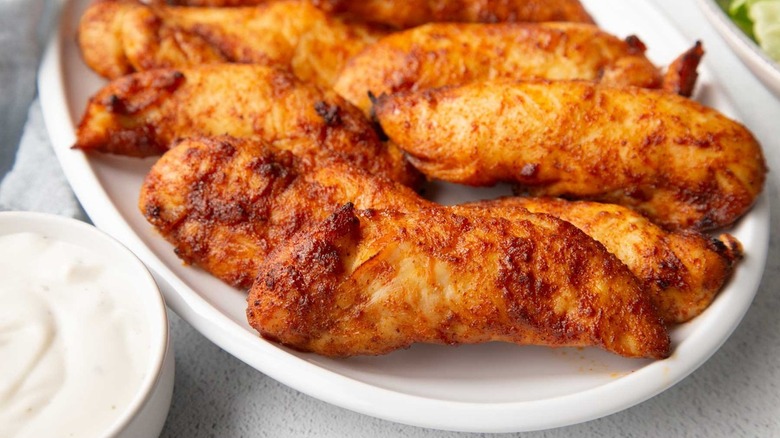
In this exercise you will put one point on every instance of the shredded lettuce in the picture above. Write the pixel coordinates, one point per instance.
(766, 26)
(738, 10)
(759, 19)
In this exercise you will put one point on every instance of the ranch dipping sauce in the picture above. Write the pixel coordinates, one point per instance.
(74, 342)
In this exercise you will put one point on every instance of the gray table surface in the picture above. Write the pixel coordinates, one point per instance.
(735, 393)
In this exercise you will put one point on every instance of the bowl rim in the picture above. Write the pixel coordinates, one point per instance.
(766, 69)
(88, 236)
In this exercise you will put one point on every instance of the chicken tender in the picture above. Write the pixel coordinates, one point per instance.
(118, 37)
(682, 271)
(369, 282)
(411, 13)
(212, 3)
(143, 113)
(404, 14)
(676, 161)
(435, 55)
(99, 37)
(225, 203)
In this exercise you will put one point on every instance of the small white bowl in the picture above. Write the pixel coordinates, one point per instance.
(147, 411)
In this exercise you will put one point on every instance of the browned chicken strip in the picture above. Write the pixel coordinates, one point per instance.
(118, 37)
(143, 113)
(411, 13)
(372, 281)
(224, 203)
(676, 161)
(100, 37)
(682, 271)
(212, 3)
(435, 55)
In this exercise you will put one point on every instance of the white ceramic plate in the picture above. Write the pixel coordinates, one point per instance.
(764, 67)
(488, 388)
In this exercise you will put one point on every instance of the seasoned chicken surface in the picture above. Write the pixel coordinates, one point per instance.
(372, 281)
(224, 203)
(143, 113)
(441, 54)
(118, 37)
(411, 13)
(682, 271)
(100, 37)
(258, 152)
(227, 203)
(676, 161)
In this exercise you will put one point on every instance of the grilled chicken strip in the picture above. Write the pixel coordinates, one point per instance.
(118, 37)
(224, 203)
(435, 55)
(678, 162)
(682, 271)
(410, 13)
(369, 282)
(143, 113)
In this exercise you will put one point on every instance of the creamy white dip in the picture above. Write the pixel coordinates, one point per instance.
(74, 343)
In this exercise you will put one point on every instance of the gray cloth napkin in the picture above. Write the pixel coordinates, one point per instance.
(30, 175)
(36, 181)
(20, 45)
